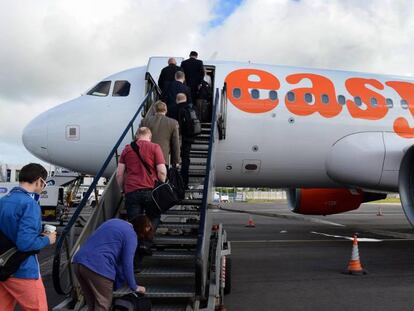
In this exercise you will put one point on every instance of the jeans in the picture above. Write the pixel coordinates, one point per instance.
(139, 203)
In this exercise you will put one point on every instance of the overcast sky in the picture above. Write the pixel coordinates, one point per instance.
(51, 50)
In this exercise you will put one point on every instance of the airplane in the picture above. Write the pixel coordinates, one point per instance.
(334, 139)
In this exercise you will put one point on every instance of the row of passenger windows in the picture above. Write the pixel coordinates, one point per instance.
(121, 88)
(309, 98)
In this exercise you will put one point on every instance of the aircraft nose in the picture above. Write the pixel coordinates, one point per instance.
(35, 137)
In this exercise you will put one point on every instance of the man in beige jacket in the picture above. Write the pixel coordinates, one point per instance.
(164, 132)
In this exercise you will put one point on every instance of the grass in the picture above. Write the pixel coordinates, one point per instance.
(388, 200)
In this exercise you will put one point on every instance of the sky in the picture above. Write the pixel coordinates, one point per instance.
(51, 51)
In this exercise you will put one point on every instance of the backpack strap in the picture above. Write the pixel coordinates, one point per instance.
(135, 147)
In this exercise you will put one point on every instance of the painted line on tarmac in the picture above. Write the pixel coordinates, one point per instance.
(308, 241)
(284, 216)
(349, 238)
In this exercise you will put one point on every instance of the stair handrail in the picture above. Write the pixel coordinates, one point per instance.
(204, 232)
(83, 202)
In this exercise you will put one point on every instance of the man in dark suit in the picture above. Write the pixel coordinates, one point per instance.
(167, 74)
(170, 94)
(164, 133)
(194, 73)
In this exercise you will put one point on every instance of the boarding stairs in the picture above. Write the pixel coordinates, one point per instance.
(187, 268)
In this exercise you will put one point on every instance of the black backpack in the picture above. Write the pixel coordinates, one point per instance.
(132, 302)
(191, 125)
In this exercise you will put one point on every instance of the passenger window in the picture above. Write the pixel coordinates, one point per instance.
(358, 101)
(404, 104)
(255, 94)
(291, 96)
(236, 93)
(273, 95)
(325, 98)
(390, 104)
(308, 97)
(101, 89)
(121, 88)
(341, 100)
(374, 102)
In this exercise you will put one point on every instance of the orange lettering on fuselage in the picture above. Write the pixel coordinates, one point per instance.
(239, 79)
(321, 86)
(406, 91)
(358, 87)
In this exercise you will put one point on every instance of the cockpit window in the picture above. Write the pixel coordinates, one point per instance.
(121, 88)
(101, 89)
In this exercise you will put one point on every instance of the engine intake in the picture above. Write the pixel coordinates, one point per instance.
(328, 201)
(406, 184)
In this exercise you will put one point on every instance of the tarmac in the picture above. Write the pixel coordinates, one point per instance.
(295, 262)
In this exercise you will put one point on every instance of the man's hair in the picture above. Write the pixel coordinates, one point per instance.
(32, 172)
(181, 97)
(160, 106)
(193, 53)
(179, 75)
(172, 60)
(143, 131)
(140, 223)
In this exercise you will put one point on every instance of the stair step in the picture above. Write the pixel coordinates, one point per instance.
(198, 163)
(198, 190)
(169, 307)
(198, 149)
(166, 272)
(173, 255)
(178, 225)
(196, 173)
(165, 291)
(191, 202)
(175, 240)
(196, 155)
(174, 212)
(161, 291)
(201, 142)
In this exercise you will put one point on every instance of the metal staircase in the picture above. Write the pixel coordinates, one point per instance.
(187, 268)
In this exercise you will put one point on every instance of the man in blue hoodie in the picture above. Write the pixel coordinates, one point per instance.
(21, 222)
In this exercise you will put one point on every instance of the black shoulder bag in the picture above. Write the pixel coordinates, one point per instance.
(163, 195)
(10, 257)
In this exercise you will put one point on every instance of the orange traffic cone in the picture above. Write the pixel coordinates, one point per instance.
(354, 265)
(250, 222)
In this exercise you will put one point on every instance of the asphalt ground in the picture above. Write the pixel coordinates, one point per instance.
(295, 262)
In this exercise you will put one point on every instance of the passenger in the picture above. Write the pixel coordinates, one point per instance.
(173, 89)
(167, 74)
(164, 133)
(194, 73)
(105, 260)
(21, 223)
(138, 178)
(186, 141)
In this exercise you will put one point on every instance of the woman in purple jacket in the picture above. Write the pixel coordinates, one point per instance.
(105, 261)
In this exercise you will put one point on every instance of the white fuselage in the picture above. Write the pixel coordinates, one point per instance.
(308, 142)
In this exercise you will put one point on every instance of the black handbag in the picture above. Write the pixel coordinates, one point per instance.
(163, 195)
(10, 257)
(132, 302)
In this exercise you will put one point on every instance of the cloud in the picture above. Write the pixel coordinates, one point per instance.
(54, 50)
(373, 36)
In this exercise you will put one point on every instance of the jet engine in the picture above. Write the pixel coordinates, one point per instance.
(328, 201)
(406, 184)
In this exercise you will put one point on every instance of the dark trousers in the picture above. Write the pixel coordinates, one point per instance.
(140, 203)
(185, 160)
(96, 289)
